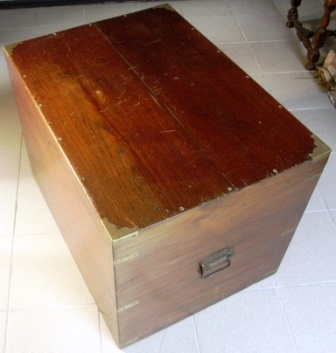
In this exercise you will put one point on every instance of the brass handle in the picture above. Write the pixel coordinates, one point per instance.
(216, 262)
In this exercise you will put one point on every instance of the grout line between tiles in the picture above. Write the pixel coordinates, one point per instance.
(311, 284)
(287, 321)
(161, 340)
(310, 109)
(318, 211)
(196, 335)
(276, 286)
(100, 331)
(250, 49)
(12, 249)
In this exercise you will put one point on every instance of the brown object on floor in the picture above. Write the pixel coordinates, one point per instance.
(176, 180)
(313, 41)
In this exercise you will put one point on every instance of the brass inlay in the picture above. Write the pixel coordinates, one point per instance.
(120, 235)
(313, 178)
(128, 306)
(321, 150)
(164, 6)
(9, 48)
(288, 232)
(127, 258)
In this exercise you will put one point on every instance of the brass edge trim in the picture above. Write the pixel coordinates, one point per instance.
(165, 6)
(119, 235)
(127, 258)
(126, 238)
(313, 178)
(321, 150)
(8, 48)
(288, 232)
(128, 306)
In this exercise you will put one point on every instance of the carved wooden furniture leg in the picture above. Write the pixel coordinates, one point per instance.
(293, 13)
(303, 34)
(320, 36)
(312, 41)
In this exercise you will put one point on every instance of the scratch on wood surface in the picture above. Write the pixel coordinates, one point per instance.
(128, 79)
(163, 132)
(121, 101)
(155, 100)
(188, 159)
(154, 41)
(134, 66)
(122, 93)
(209, 144)
(129, 222)
(157, 90)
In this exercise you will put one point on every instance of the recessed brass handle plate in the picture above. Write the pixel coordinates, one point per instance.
(216, 262)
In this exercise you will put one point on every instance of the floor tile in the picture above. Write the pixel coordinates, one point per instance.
(3, 322)
(5, 261)
(10, 128)
(65, 330)
(258, 8)
(204, 8)
(218, 29)
(178, 338)
(327, 184)
(241, 54)
(8, 191)
(99, 12)
(250, 321)
(33, 215)
(316, 202)
(309, 9)
(6, 88)
(139, 5)
(298, 90)
(266, 283)
(333, 215)
(310, 257)
(272, 27)
(321, 122)
(9, 121)
(10, 149)
(17, 18)
(148, 345)
(310, 311)
(44, 274)
(60, 15)
(269, 59)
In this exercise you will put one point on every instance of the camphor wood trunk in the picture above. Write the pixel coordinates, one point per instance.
(175, 179)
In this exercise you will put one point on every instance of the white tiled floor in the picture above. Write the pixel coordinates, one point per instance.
(44, 303)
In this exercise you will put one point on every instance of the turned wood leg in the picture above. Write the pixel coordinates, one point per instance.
(293, 14)
(319, 37)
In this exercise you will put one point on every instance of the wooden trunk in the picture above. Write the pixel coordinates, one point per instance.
(175, 179)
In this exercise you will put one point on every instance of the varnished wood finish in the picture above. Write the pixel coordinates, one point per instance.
(257, 222)
(154, 151)
(104, 100)
(87, 238)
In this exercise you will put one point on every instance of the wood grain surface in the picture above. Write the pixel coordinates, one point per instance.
(154, 151)
(147, 102)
